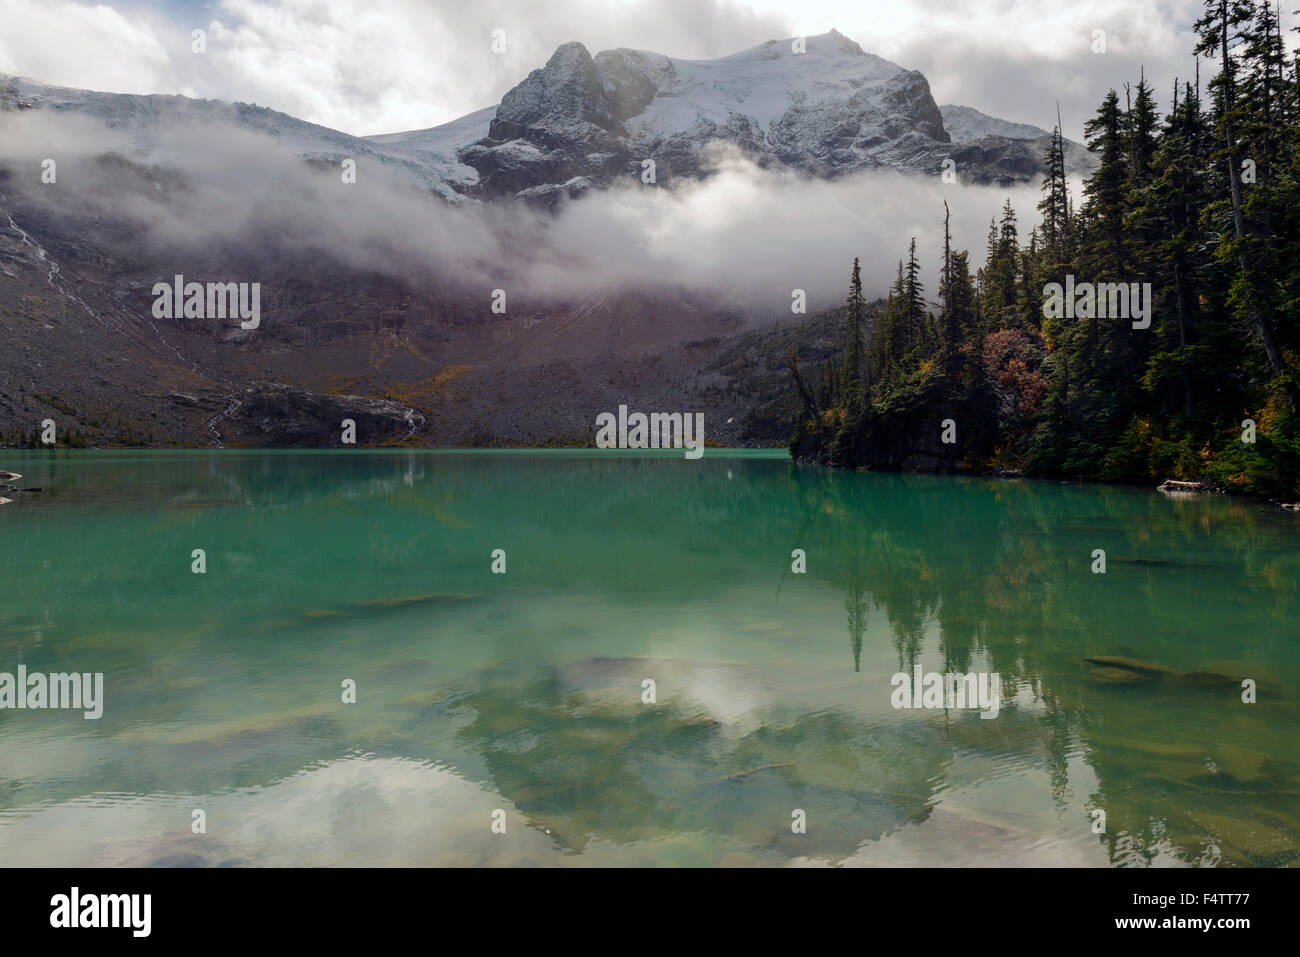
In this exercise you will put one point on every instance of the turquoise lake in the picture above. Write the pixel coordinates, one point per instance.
(525, 692)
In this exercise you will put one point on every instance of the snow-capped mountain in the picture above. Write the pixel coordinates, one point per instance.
(584, 120)
(821, 106)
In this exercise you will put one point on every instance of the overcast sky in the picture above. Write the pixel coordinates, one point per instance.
(374, 66)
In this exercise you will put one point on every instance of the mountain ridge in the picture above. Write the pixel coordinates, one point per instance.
(583, 121)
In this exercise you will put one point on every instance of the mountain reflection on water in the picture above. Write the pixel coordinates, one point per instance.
(524, 691)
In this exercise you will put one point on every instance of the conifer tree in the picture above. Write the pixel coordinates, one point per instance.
(855, 386)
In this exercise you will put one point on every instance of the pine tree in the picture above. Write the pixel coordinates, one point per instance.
(1221, 23)
(998, 283)
(958, 318)
(1141, 121)
(914, 313)
(1055, 209)
(855, 386)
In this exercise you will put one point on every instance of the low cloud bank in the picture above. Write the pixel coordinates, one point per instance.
(744, 236)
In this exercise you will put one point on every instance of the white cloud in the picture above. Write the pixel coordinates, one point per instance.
(82, 45)
(744, 236)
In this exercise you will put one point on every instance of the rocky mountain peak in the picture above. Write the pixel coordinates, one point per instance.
(843, 43)
(822, 106)
(557, 102)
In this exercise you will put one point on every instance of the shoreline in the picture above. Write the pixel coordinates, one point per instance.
(1170, 488)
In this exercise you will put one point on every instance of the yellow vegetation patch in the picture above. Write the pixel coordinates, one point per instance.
(428, 391)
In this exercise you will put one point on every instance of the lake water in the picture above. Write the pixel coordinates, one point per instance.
(524, 692)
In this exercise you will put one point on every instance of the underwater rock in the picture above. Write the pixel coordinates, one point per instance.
(1190, 753)
(1219, 675)
(1116, 676)
(1210, 679)
(423, 699)
(1253, 838)
(405, 600)
(1235, 672)
(1230, 855)
(177, 849)
(1244, 765)
(385, 604)
(224, 733)
(1147, 669)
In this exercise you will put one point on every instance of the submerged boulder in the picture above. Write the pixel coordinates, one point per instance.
(1116, 669)
(1116, 676)
(1147, 669)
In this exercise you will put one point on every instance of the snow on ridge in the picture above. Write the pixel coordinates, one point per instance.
(967, 123)
(139, 117)
(438, 145)
(762, 83)
(450, 135)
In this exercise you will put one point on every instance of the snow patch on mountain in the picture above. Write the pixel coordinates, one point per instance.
(146, 121)
(763, 84)
(966, 123)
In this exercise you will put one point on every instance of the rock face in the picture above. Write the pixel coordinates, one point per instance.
(828, 110)
(1008, 152)
(279, 416)
(558, 125)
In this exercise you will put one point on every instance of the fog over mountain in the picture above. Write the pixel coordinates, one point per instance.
(772, 168)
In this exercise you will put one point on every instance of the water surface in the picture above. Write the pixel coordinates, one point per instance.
(523, 692)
